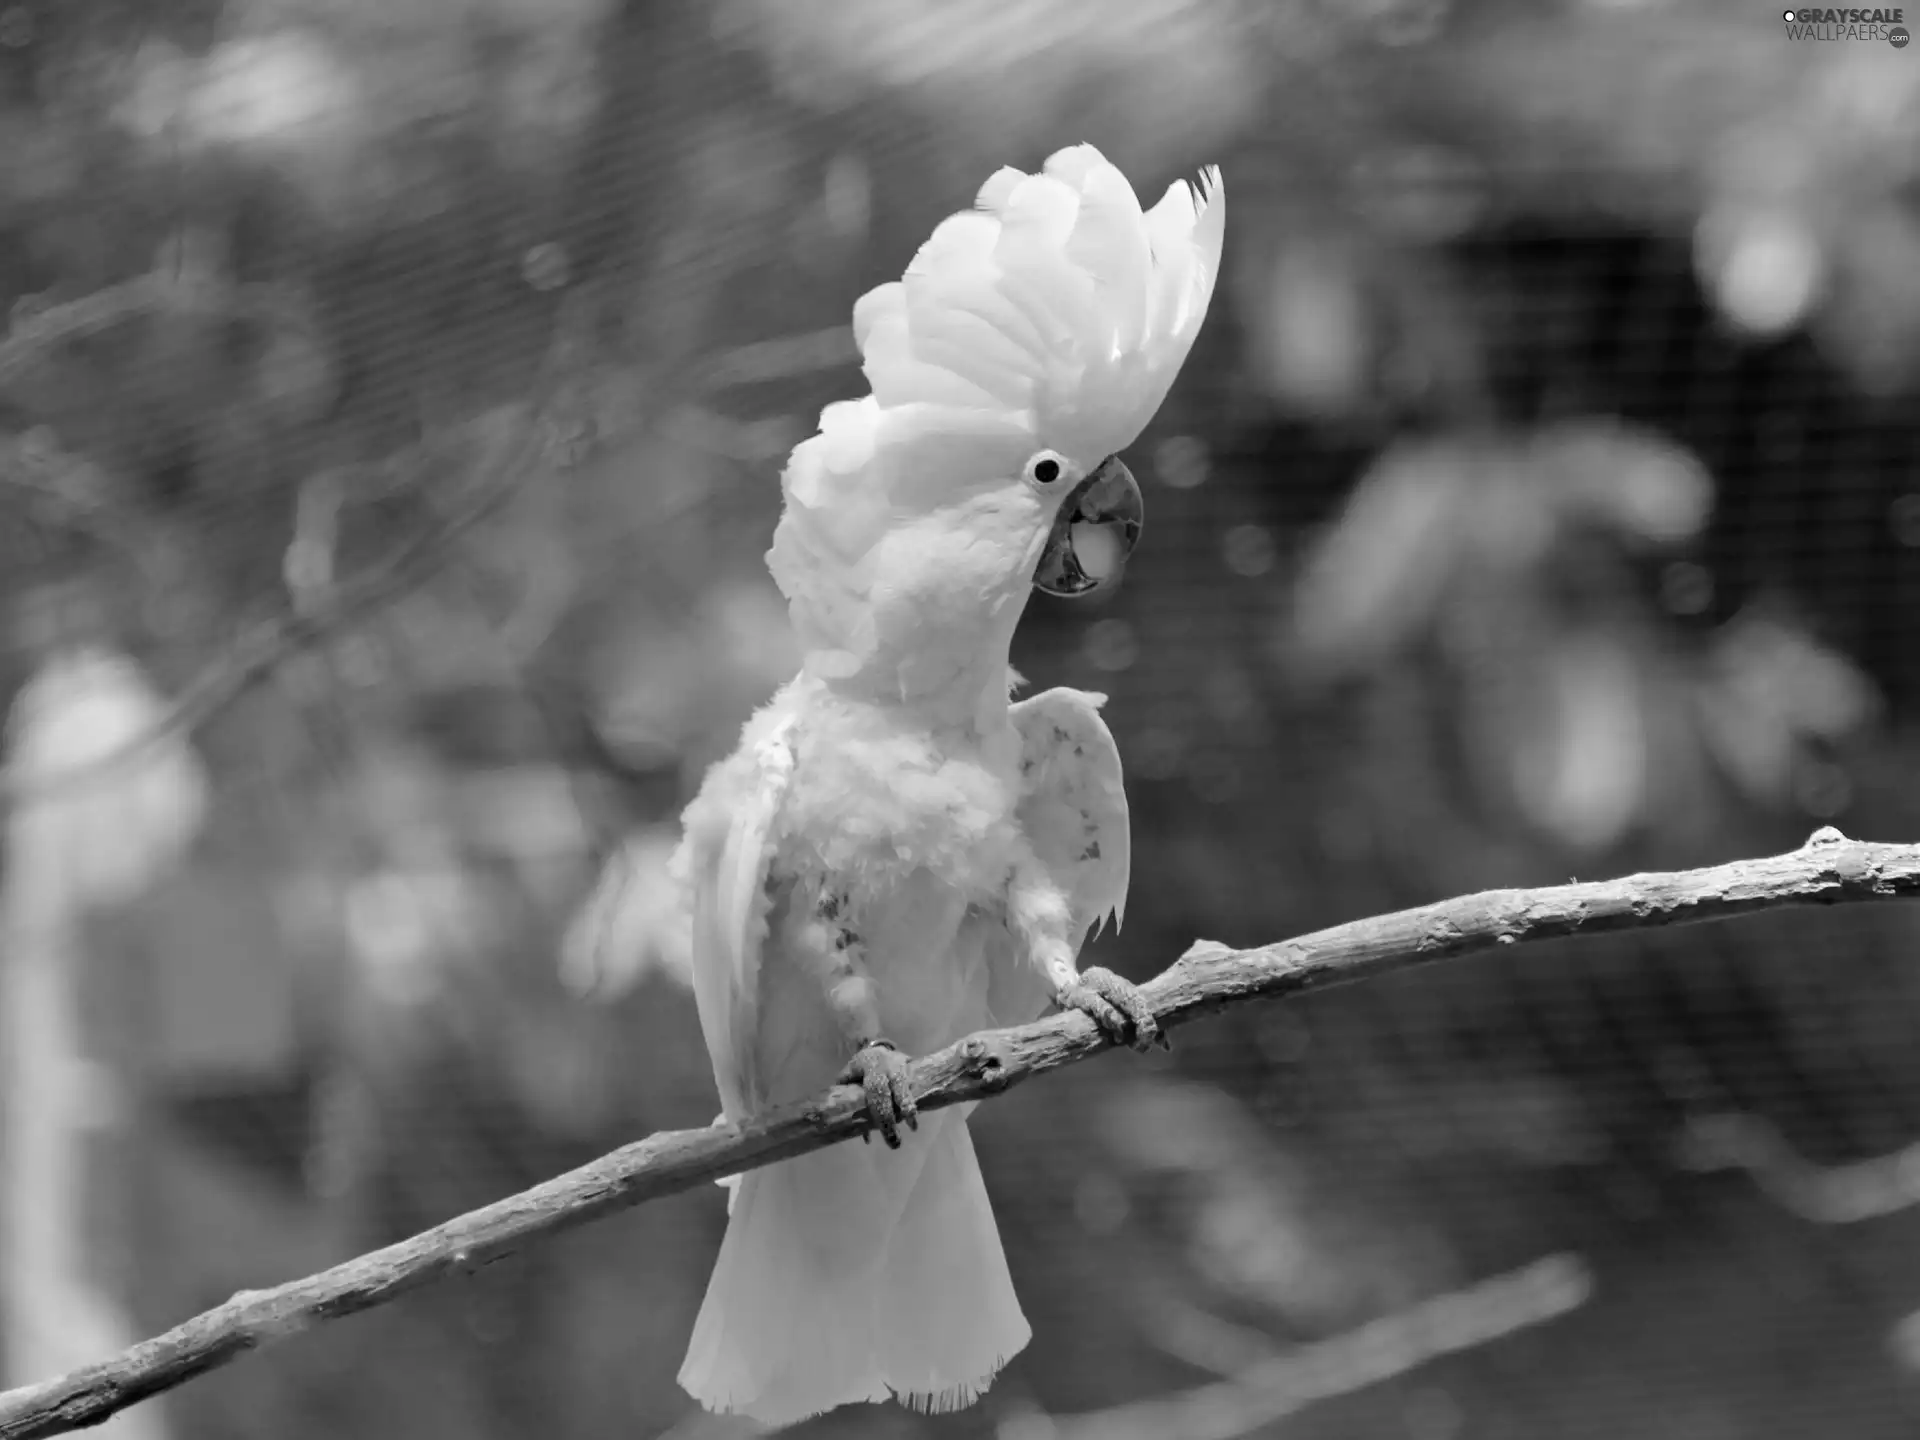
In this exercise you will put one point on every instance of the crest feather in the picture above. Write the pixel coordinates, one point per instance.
(1055, 313)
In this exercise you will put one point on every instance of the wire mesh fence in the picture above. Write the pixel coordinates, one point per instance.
(402, 389)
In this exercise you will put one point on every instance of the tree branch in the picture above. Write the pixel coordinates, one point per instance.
(1869, 1189)
(1829, 869)
(256, 653)
(1382, 1349)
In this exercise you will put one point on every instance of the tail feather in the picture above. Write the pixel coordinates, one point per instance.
(856, 1273)
(949, 1319)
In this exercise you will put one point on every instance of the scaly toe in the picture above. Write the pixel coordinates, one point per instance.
(880, 1070)
(1116, 1006)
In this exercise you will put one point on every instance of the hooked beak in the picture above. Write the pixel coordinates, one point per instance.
(1096, 529)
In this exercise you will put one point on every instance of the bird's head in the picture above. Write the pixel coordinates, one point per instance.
(1030, 341)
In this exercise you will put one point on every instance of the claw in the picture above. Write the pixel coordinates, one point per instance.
(880, 1070)
(1116, 1006)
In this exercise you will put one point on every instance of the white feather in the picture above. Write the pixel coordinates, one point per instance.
(724, 860)
(1056, 306)
(854, 1272)
(1054, 315)
(1075, 810)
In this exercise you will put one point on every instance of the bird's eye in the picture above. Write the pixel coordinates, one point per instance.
(1045, 468)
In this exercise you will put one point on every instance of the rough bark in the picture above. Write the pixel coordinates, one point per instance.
(1829, 869)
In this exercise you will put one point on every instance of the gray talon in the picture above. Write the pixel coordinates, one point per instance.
(880, 1070)
(1117, 1007)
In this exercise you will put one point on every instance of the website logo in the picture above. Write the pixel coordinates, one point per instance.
(1823, 23)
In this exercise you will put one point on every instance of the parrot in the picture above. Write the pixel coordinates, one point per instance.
(898, 853)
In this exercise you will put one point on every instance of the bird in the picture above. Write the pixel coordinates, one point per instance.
(898, 852)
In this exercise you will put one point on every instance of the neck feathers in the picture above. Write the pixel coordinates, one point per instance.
(952, 670)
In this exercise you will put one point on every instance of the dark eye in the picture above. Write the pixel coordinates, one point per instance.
(1045, 468)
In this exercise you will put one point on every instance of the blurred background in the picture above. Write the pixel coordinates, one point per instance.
(391, 408)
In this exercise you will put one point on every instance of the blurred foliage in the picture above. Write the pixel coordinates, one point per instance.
(1539, 501)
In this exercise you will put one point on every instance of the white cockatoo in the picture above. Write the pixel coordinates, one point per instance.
(896, 855)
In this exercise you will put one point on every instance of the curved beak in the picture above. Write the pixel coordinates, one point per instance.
(1095, 530)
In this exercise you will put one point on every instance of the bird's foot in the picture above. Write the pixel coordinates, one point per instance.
(880, 1070)
(1116, 1006)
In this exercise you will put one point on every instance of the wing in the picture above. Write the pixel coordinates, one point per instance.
(724, 860)
(1075, 816)
(1075, 810)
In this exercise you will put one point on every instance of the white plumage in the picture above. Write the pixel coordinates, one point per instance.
(1056, 313)
(895, 850)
